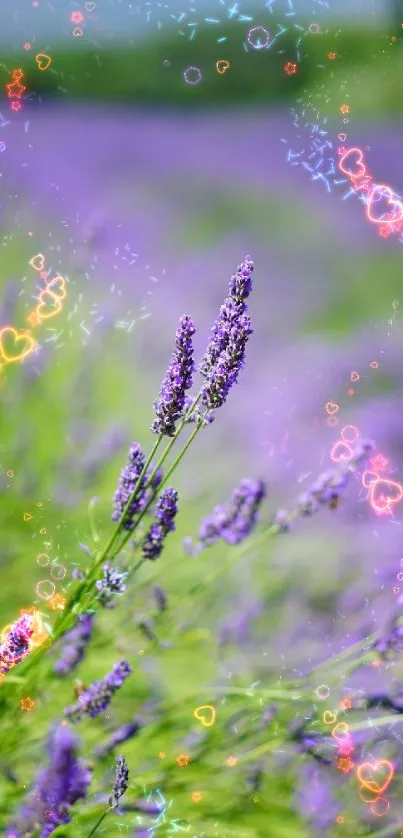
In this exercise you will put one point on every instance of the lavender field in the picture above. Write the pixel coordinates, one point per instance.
(148, 215)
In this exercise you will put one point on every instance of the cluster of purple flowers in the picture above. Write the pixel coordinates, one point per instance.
(111, 585)
(235, 521)
(327, 490)
(74, 644)
(165, 513)
(56, 789)
(178, 379)
(128, 480)
(97, 697)
(225, 353)
(16, 643)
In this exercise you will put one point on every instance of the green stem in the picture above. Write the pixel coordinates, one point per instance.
(157, 491)
(384, 721)
(98, 823)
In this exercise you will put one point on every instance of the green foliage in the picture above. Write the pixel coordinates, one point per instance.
(138, 75)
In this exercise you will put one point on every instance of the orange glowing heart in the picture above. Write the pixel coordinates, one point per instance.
(354, 155)
(43, 61)
(384, 494)
(376, 776)
(341, 452)
(385, 194)
(341, 731)
(57, 286)
(21, 344)
(37, 262)
(206, 718)
(222, 65)
(49, 305)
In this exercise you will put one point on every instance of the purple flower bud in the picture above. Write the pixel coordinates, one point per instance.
(165, 513)
(74, 645)
(178, 379)
(111, 585)
(160, 598)
(56, 789)
(121, 782)
(234, 522)
(96, 698)
(128, 480)
(225, 353)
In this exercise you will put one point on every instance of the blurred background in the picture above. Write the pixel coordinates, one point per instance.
(145, 190)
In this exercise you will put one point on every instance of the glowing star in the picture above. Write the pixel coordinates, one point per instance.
(196, 796)
(33, 319)
(57, 602)
(346, 704)
(290, 68)
(379, 463)
(183, 760)
(231, 761)
(22, 344)
(345, 764)
(15, 90)
(331, 56)
(15, 105)
(27, 704)
(76, 17)
(345, 109)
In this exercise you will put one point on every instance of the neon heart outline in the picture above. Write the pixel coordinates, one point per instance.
(331, 408)
(224, 65)
(341, 458)
(366, 482)
(360, 163)
(41, 264)
(17, 337)
(202, 718)
(388, 501)
(382, 188)
(329, 718)
(40, 65)
(56, 280)
(374, 766)
(42, 304)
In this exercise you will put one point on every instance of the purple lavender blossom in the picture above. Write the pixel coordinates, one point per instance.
(16, 643)
(121, 782)
(225, 353)
(111, 585)
(327, 489)
(96, 698)
(121, 735)
(165, 513)
(235, 521)
(178, 379)
(160, 598)
(74, 645)
(56, 788)
(128, 480)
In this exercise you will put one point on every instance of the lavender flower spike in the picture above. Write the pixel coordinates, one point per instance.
(165, 513)
(128, 480)
(96, 698)
(56, 788)
(225, 354)
(16, 644)
(75, 644)
(234, 522)
(178, 379)
(121, 782)
(111, 585)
